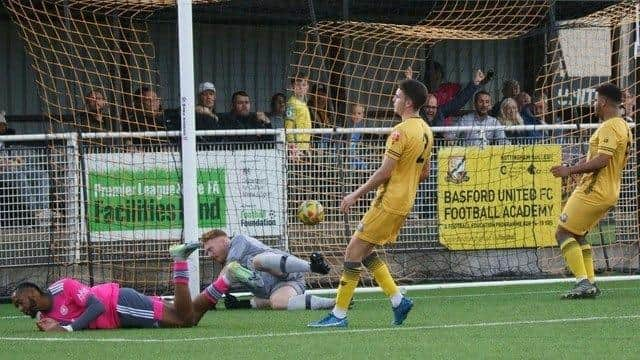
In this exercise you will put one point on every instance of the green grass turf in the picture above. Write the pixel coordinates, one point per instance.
(511, 322)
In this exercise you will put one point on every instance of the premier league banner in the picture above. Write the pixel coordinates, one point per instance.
(139, 195)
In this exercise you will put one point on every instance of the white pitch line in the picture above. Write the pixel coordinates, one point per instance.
(429, 297)
(489, 294)
(325, 332)
(14, 317)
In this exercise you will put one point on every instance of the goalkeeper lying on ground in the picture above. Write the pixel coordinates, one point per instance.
(274, 277)
(69, 305)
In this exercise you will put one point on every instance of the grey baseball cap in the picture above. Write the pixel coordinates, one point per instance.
(206, 86)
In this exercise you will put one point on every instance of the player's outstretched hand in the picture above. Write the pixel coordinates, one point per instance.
(48, 324)
(560, 171)
(347, 202)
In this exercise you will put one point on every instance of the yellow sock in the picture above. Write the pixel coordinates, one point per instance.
(348, 283)
(381, 273)
(587, 257)
(573, 257)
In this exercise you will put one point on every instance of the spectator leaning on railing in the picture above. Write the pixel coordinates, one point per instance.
(277, 113)
(206, 117)
(509, 116)
(240, 117)
(480, 121)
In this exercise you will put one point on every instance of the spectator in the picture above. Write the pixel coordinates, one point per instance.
(298, 117)
(509, 116)
(628, 105)
(147, 113)
(206, 117)
(278, 106)
(356, 148)
(523, 99)
(510, 89)
(241, 117)
(435, 113)
(4, 129)
(322, 112)
(533, 114)
(480, 120)
(444, 91)
(94, 117)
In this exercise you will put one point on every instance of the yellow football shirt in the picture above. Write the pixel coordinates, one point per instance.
(297, 116)
(410, 144)
(613, 137)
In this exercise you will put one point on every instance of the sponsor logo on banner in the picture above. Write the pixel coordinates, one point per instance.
(456, 170)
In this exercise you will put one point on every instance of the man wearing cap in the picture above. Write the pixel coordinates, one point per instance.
(206, 117)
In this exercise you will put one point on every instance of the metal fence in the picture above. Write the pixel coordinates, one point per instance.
(53, 191)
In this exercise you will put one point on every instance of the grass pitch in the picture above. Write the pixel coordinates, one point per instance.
(510, 322)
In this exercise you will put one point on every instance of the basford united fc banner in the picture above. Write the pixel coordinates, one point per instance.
(139, 195)
(498, 196)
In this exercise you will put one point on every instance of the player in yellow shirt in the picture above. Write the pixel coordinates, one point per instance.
(297, 116)
(597, 192)
(404, 166)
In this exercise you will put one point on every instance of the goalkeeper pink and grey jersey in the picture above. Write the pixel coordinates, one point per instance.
(69, 298)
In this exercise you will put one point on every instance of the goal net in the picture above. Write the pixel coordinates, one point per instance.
(112, 203)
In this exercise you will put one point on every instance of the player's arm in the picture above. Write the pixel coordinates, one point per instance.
(425, 171)
(93, 309)
(378, 178)
(606, 148)
(82, 296)
(598, 162)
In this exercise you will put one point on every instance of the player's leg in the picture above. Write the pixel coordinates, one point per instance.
(180, 313)
(210, 296)
(289, 295)
(578, 216)
(279, 264)
(587, 257)
(355, 252)
(279, 299)
(388, 230)
(380, 271)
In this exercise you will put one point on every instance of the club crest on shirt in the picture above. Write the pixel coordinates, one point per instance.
(63, 310)
(457, 172)
(289, 111)
(395, 136)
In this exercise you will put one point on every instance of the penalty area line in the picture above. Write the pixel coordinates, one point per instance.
(327, 332)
